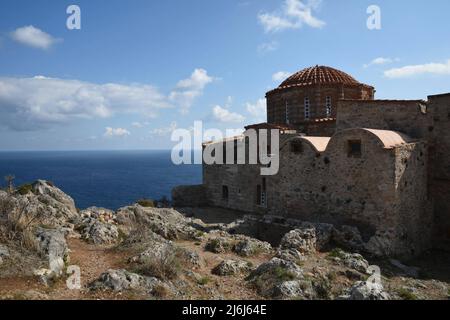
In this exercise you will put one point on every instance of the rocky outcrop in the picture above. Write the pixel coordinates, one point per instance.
(168, 223)
(4, 252)
(248, 247)
(221, 242)
(98, 226)
(40, 203)
(231, 267)
(366, 290)
(122, 280)
(302, 240)
(275, 278)
(51, 244)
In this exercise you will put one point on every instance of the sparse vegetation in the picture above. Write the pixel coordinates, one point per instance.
(160, 291)
(166, 266)
(203, 281)
(336, 253)
(405, 294)
(19, 225)
(283, 274)
(146, 203)
(25, 189)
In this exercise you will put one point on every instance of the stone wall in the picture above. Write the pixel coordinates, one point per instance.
(240, 182)
(439, 108)
(382, 191)
(190, 196)
(325, 128)
(295, 99)
(407, 116)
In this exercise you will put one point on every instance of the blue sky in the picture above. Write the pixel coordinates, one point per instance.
(138, 69)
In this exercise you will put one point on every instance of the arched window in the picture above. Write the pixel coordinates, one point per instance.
(287, 113)
(225, 193)
(307, 106)
(328, 106)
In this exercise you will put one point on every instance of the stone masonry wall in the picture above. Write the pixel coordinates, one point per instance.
(333, 187)
(409, 117)
(295, 98)
(439, 108)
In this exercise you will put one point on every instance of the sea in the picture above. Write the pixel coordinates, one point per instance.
(108, 179)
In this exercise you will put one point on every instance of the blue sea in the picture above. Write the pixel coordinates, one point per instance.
(109, 179)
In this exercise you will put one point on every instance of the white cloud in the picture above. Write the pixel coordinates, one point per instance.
(281, 76)
(293, 15)
(268, 47)
(420, 69)
(380, 61)
(137, 124)
(33, 37)
(35, 103)
(224, 115)
(164, 131)
(116, 132)
(189, 89)
(258, 110)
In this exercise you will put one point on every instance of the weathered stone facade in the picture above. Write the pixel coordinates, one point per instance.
(385, 168)
(313, 93)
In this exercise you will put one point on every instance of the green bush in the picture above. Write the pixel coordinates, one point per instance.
(284, 275)
(406, 294)
(25, 189)
(203, 281)
(147, 203)
(337, 253)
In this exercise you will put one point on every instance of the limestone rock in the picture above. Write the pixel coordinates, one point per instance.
(51, 244)
(249, 247)
(348, 237)
(4, 252)
(101, 214)
(168, 223)
(219, 245)
(364, 290)
(44, 204)
(303, 240)
(231, 267)
(294, 289)
(155, 252)
(290, 255)
(356, 262)
(122, 280)
(100, 233)
(270, 275)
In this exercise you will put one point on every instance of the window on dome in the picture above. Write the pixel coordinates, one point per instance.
(287, 113)
(328, 106)
(307, 107)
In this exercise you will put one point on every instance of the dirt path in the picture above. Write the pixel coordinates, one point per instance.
(92, 260)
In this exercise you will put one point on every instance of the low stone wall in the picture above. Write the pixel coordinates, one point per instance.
(190, 196)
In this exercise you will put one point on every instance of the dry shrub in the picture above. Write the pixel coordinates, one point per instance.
(166, 266)
(160, 291)
(18, 224)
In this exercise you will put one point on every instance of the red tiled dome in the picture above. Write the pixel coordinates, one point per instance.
(318, 75)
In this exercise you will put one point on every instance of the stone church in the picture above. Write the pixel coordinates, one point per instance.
(346, 158)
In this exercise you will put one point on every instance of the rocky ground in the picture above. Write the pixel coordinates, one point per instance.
(142, 252)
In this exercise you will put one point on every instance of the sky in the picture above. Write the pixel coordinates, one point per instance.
(137, 70)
